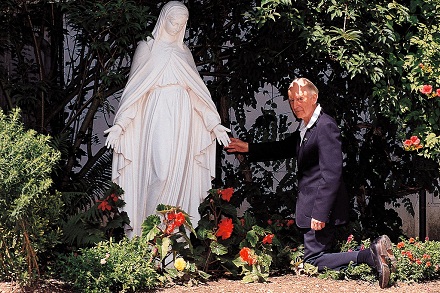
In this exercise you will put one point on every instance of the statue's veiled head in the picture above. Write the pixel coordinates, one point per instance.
(171, 23)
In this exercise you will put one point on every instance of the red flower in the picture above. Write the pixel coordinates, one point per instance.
(104, 205)
(350, 238)
(426, 256)
(426, 238)
(407, 142)
(290, 223)
(400, 245)
(268, 239)
(180, 219)
(415, 140)
(438, 92)
(428, 264)
(418, 261)
(170, 228)
(226, 194)
(175, 220)
(412, 144)
(247, 256)
(426, 89)
(225, 228)
(114, 197)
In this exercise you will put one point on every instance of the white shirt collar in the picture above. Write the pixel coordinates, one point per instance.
(313, 119)
(303, 128)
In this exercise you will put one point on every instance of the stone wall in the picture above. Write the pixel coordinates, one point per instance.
(411, 224)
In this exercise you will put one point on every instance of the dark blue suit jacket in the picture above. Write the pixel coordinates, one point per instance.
(322, 193)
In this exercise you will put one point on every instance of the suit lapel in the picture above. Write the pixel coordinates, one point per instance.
(308, 138)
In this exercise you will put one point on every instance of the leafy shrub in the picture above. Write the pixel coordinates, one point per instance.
(29, 210)
(417, 260)
(99, 221)
(126, 266)
(226, 245)
(238, 245)
(140, 263)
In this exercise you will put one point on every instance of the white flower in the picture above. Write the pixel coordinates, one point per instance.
(103, 261)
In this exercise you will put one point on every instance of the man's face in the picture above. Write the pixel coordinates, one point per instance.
(302, 102)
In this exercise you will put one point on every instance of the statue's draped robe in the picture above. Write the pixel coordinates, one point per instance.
(167, 151)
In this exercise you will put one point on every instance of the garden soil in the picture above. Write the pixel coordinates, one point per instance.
(279, 284)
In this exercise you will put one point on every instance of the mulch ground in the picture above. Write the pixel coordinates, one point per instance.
(279, 284)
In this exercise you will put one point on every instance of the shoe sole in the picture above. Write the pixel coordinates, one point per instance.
(386, 258)
(390, 258)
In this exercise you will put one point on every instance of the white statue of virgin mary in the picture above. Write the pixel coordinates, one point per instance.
(165, 128)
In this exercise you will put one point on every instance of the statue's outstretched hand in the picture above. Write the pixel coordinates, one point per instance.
(114, 133)
(221, 133)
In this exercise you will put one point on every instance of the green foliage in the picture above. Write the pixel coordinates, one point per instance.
(126, 266)
(145, 262)
(394, 45)
(29, 208)
(417, 261)
(221, 245)
(171, 245)
(99, 221)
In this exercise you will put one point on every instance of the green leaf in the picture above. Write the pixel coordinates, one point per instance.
(217, 248)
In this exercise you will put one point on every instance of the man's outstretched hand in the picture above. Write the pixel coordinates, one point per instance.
(237, 146)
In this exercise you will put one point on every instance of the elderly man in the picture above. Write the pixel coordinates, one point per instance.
(322, 202)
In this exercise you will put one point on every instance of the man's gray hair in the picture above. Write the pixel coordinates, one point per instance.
(304, 82)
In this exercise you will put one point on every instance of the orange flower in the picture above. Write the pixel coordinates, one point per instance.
(428, 264)
(268, 239)
(412, 240)
(400, 245)
(104, 205)
(426, 89)
(225, 228)
(247, 256)
(426, 256)
(226, 194)
(290, 223)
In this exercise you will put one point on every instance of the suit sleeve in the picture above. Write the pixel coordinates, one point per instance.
(276, 150)
(330, 166)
